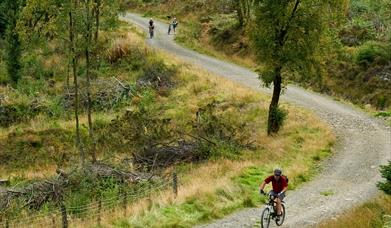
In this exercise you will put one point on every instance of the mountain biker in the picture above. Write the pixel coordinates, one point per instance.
(280, 186)
(151, 28)
(174, 24)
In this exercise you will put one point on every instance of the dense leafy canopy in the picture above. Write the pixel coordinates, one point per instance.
(287, 33)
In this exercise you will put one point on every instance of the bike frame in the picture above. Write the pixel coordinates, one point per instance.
(270, 212)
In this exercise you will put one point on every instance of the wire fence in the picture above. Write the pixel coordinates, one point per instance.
(91, 213)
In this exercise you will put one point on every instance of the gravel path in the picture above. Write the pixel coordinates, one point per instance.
(363, 143)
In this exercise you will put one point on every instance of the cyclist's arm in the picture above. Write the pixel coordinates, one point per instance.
(262, 186)
(285, 185)
(265, 182)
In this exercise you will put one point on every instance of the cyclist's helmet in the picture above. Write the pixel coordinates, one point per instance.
(277, 172)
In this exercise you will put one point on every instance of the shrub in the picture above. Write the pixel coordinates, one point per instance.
(3, 72)
(15, 113)
(4, 80)
(157, 74)
(385, 171)
(356, 33)
(371, 52)
(33, 66)
(278, 116)
(127, 47)
(35, 148)
(225, 131)
(31, 87)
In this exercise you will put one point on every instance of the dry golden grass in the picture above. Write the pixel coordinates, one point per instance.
(40, 124)
(124, 45)
(370, 214)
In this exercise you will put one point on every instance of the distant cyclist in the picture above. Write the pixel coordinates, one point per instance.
(151, 28)
(174, 24)
(280, 185)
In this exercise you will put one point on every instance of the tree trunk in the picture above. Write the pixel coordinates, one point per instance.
(239, 11)
(249, 5)
(97, 19)
(88, 76)
(68, 73)
(273, 123)
(74, 69)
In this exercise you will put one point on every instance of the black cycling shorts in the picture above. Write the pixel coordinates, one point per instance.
(282, 196)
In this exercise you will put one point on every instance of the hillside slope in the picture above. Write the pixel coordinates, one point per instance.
(363, 144)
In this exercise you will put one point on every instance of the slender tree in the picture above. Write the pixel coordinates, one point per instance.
(87, 51)
(239, 11)
(72, 46)
(243, 10)
(97, 6)
(286, 34)
(2, 21)
(10, 18)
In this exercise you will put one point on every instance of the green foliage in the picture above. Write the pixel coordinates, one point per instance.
(385, 171)
(33, 67)
(266, 75)
(157, 74)
(285, 34)
(228, 132)
(249, 179)
(373, 51)
(278, 116)
(22, 149)
(383, 114)
(357, 32)
(13, 44)
(3, 72)
(31, 88)
(190, 32)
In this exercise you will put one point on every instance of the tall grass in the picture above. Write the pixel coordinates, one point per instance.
(374, 213)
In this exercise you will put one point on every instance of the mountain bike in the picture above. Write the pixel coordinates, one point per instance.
(270, 212)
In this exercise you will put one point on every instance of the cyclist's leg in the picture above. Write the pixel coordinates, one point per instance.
(279, 202)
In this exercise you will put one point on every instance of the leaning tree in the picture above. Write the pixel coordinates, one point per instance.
(286, 35)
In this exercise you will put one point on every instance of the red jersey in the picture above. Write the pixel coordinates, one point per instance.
(279, 185)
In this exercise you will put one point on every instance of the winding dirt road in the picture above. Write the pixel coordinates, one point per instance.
(363, 143)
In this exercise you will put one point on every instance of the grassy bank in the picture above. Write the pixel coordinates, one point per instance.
(374, 213)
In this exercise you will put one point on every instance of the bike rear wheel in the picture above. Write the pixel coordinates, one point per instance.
(265, 219)
(282, 218)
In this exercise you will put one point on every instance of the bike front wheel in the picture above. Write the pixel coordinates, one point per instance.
(280, 221)
(265, 219)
